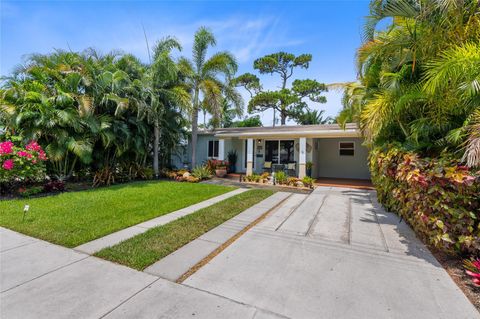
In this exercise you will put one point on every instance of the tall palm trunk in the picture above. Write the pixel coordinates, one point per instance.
(194, 127)
(156, 142)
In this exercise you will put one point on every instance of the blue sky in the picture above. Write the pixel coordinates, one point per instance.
(329, 30)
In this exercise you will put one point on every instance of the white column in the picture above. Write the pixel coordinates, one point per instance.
(249, 156)
(302, 169)
(221, 149)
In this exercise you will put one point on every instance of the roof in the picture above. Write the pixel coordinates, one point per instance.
(322, 130)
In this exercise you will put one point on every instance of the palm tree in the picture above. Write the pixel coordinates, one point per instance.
(415, 87)
(313, 117)
(161, 90)
(203, 78)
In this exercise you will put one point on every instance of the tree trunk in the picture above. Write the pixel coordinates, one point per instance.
(194, 127)
(156, 133)
(284, 117)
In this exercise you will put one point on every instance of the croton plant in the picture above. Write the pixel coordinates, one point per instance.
(438, 197)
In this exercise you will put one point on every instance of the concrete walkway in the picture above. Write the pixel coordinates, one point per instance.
(42, 280)
(332, 254)
(124, 234)
(173, 266)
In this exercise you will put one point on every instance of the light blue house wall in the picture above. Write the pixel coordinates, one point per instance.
(323, 152)
(329, 163)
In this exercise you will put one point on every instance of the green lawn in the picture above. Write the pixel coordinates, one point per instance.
(145, 249)
(74, 218)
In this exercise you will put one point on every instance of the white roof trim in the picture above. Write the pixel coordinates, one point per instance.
(309, 133)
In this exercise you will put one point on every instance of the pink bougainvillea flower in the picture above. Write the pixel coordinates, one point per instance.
(33, 146)
(6, 147)
(8, 164)
(42, 156)
(22, 154)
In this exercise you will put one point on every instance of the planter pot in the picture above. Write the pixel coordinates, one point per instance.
(232, 168)
(221, 172)
(309, 172)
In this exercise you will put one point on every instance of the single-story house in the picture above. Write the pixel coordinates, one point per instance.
(335, 152)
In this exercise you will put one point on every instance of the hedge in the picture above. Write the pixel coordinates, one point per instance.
(438, 197)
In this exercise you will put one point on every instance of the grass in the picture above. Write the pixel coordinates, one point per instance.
(145, 249)
(74, 218)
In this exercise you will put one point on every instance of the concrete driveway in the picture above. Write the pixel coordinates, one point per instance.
(331, 254)
(334, 254)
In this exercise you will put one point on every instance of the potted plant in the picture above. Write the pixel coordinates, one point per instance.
(221, 168)
(232, 159)
(309, 166)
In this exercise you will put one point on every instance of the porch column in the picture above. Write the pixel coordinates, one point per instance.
(221, 149)
(302, 169)
(249, 156)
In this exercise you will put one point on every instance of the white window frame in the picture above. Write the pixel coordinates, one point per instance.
(340, 148)
(213, 150)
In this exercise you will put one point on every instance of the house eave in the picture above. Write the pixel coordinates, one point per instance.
(297, 134)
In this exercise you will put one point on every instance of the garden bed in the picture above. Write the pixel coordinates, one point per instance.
(145, 249)
(74, 218)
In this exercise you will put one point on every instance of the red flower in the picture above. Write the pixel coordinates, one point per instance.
(8, 164)
(33, 146)
(6, 147)
(23, 154)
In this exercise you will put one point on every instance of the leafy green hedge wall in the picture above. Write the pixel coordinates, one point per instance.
(438, 197)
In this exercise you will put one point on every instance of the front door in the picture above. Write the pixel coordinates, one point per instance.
(280, 152)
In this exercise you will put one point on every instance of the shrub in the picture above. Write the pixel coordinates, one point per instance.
(438, 197)
(292, 181)
(20, 165)
(201, 172)
(308, 181)
(264, 177)
(54, 186)
(472, 268)
(213, 164)
(281, 178)
(27, 192)
(253, 178)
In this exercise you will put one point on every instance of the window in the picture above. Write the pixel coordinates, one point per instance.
(286, 152)
(212, 148)
(280, 152)
(347, 148)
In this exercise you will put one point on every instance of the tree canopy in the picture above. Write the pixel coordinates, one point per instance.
(419, 77)
(289, 102)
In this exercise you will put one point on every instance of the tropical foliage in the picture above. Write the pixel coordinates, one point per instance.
(438, 197)
(110, 116)
(204, 77)
(419, 78)
(94, 112)
(313, 117)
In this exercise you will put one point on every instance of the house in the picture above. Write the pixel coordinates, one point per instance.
(335, 152)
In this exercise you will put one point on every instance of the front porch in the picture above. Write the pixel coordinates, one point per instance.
(329, 150)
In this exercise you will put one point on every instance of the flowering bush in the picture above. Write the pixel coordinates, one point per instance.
(21, 164)
(438, 197)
